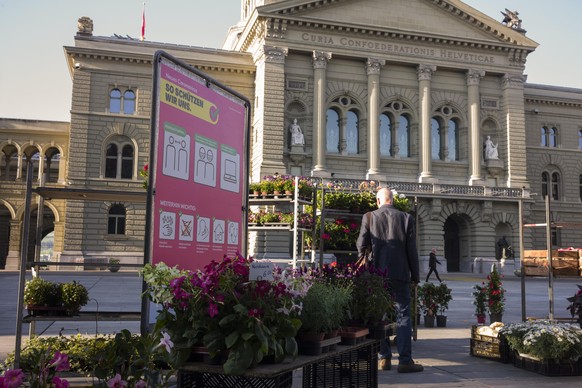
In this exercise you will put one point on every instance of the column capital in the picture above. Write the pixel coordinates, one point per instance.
(320, 59)
(374, 65)
(424, 72)
(474, 76)
(274, 54)
(513, 80)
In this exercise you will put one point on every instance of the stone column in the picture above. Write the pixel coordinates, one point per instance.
(19, 167)
(475, 149)
(343, 136)
(320, 60)
(513, 111)
(268, 120)
(424, 73)
(373, 68)
(13, 258)
(41, 163)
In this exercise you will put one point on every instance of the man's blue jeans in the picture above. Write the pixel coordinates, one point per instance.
(401, 296)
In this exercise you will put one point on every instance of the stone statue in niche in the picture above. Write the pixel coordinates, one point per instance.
(297, 137)
(490, 149)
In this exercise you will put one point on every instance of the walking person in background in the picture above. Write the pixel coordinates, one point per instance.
(432, 265)
(390, 234)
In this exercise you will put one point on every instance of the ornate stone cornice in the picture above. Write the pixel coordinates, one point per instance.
(274, 54)
(505, 35)
(374, 65)
(424, 72)
(474, 76)
(513, 80)
(320, 59)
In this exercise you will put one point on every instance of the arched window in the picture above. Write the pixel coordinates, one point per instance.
(352, 132)
(545, 181)
(115, 101)
(111, 161)
(385, 135)
(549, 137)
(343, 126)
(129, 102)
(119, 159)
(127, 162)
(404, 137)
(435, 139)
(555, 186)
(9, 163)
(51, 165)
(332, 131)
(453, 140)
(116, 220)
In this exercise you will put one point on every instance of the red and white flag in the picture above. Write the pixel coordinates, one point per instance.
(143, 23)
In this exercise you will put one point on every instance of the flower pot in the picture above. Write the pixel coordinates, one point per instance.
(331, 333)
(441, 320)
(113, 268)
(429, 320)
(481, 319)
(288, 193)
(495, 317)
(311, 337)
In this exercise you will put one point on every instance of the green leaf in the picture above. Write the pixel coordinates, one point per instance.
(291, 346)
(231, 339)
(239, 360)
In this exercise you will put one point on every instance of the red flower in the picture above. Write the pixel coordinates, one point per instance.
(145, 167)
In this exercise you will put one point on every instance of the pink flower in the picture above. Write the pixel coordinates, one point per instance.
(12, 378)
(325, 236)
(212, 310)
(141, 384)
(116, 382)
(60, 361)
(60, 383)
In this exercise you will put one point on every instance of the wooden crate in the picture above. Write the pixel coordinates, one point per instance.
(536, 271)
(494, 348)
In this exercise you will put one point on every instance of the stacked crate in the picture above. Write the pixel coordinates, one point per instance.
(564, 262)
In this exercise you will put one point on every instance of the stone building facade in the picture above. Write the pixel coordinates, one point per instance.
(406, 92)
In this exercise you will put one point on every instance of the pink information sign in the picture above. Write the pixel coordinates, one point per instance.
(198, 162)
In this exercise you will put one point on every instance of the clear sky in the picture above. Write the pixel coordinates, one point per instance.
(35, 82)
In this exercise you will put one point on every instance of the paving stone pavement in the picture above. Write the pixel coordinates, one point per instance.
(443, 351)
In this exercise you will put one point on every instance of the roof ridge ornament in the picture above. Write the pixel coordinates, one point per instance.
(511, 19)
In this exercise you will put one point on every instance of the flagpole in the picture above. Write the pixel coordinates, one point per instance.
(143, 24)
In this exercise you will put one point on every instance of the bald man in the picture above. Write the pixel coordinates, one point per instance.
(391, 235)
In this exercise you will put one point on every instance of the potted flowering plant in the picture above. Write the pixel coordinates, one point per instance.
(144, 173)
(427, 294)
(243, 321)
(443, 297)
(544, 340)
(480, 302)
(495, 296)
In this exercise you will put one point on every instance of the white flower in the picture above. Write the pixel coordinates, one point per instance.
(166, 341)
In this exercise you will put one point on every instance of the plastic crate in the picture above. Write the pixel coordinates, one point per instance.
(187, 379)
(357, 368)
(548, 367)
